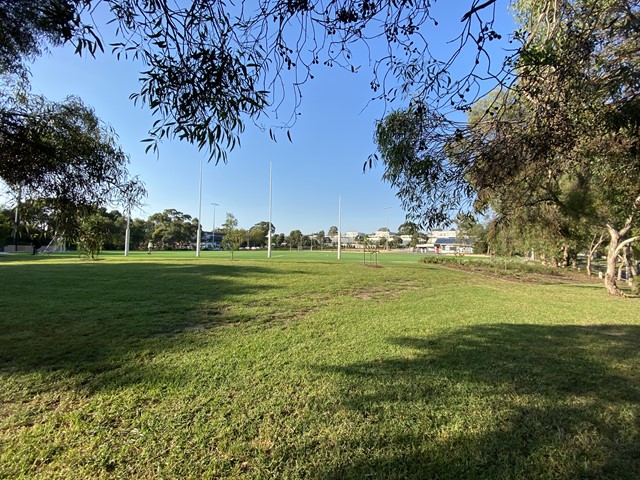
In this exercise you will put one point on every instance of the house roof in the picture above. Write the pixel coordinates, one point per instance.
(446, 240)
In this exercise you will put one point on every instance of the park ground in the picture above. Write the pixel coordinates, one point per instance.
(302, 366)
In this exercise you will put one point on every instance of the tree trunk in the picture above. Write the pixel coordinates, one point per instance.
(565, 256)
(628, 267)
(620, 263)
(612, 254)
(615, 245)
(635, 288)
(592, 251)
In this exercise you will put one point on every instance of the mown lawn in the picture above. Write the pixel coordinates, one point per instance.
(167, 366)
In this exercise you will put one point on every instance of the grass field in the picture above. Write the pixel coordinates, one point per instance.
(303, 367)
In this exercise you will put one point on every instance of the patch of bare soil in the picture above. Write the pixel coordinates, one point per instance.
(195, 328)
(383, 292)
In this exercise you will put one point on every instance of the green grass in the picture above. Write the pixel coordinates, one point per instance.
(167, 366)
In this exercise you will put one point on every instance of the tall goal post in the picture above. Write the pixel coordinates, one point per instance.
(339, 227)
(270, 207)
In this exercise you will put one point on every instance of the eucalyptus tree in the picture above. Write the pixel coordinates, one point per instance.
(564, 134)
(579, 101)
(27, 27)
(55, 150)
(410, 228)
(172, 228)
(141, 231)
(63, 152)
(97, 229)
(6, 226)
(230, 223)
(295, 239)
(260, 232)
(36, 220)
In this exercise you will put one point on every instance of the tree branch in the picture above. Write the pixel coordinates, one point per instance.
(475, 9)
(627, 242)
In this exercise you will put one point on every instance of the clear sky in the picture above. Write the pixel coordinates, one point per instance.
(331, 140)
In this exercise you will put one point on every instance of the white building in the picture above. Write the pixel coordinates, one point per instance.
(380, 234)
(445, 242)
(347, 238)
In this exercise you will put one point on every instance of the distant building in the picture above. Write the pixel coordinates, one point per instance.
(353, 235)
(445, 242)
(406, 240)
(380, 234)
(212, 241)
(346, 239)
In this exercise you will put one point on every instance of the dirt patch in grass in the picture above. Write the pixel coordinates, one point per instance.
(198, 327)
(257, 311)
(408, 285)
(213, 311)
(381, 292)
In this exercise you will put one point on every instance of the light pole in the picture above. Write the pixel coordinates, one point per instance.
(213, 229)
(387, 225)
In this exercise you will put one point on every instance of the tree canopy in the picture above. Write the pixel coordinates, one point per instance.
(575, 79)
(28, 26)
(233, 236)
(63, 152)
(561, 140)
(208, 66)
(173, 229)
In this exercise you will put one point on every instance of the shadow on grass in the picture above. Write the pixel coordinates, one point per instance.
(498, 401)
(76, 317)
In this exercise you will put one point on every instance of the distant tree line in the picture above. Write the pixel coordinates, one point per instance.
(102, 229)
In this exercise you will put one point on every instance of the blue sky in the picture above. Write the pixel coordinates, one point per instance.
(331, 139)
